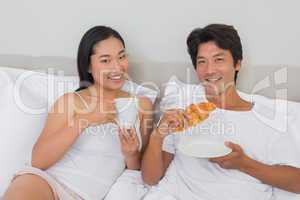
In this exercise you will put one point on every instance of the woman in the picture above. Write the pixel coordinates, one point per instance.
(81, 151)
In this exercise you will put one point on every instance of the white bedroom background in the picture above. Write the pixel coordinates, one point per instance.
(154, 30)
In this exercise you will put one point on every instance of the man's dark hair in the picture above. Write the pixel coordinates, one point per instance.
(225, 37)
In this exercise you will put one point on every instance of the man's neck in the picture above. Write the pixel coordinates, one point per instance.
(230, 100)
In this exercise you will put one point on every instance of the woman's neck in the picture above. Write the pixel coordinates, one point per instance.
(98, 91)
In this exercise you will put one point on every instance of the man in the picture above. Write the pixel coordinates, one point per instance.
(256, 164)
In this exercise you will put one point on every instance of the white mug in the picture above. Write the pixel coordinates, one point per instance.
(127, 111)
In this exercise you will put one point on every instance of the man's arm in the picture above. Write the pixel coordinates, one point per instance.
(280, 176)
(155, 160)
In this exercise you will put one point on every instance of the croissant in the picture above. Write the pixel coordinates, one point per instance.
(198, 113)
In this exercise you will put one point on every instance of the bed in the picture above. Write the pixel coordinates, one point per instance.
(22, 128)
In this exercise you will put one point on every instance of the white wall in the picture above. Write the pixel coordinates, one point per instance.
(154, 30)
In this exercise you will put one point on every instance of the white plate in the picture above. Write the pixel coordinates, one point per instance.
(203, 148)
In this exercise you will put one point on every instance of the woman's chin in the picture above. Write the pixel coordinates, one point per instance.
(116, 84)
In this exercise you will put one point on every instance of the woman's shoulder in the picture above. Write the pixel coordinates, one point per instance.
(70, 101)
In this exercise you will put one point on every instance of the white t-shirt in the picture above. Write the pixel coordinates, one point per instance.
(198, 178)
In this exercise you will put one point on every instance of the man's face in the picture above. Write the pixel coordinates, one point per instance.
(215, 68)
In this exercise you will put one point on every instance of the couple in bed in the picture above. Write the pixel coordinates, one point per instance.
(68, 162)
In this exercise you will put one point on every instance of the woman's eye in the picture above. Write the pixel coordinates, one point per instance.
(122, 57)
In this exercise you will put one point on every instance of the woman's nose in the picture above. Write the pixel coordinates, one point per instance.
(116, 65)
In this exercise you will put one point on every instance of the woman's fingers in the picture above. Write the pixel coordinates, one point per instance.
(121, 137)
(125, 135)
(132, 133)
(111, 118)
(129, 140)
(128, 135)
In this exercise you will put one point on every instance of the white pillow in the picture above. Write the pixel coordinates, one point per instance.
(49, 87)
(139, 90)
(4, 87)
(26, 98)
(179, 95)
(274, 112)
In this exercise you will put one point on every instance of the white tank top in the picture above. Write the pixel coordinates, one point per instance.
(93, 162)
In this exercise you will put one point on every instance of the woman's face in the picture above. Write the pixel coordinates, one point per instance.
(109, 64)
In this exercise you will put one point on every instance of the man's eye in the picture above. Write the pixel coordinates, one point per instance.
(199, 62)
(104, 61)
(219, 59)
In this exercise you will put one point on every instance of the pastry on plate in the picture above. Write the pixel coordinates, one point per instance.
(198, 113)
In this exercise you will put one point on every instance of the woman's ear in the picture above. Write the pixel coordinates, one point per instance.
(90, 69)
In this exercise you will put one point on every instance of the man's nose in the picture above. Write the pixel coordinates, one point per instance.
(211, 68)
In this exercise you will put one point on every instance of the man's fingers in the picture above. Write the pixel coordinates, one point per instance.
(236, 149)
(230, 156)
(171, 111)
(174, 119)
(233, 146)
(186, 119)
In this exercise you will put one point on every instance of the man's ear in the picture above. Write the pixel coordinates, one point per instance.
(90, 70)
(238, 65)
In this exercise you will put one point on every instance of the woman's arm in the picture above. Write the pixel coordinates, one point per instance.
(65, 122)
(60, 132)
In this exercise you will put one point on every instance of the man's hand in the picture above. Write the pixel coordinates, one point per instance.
(237, 159)
(280, 176)
(171, 120)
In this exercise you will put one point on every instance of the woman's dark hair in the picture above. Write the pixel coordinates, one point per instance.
(86, 49)
(225, 37)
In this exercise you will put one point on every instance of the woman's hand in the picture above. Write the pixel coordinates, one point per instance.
(129, 142)
(99, 112)
(130, 147)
